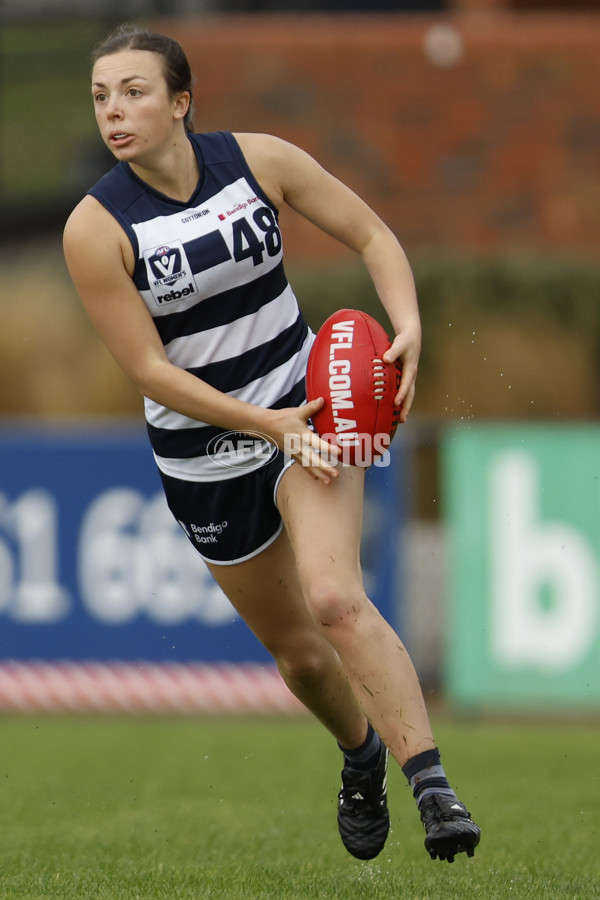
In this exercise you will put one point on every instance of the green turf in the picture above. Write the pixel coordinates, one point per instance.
(245, 808)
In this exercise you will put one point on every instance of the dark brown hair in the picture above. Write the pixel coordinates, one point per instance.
(177, 70)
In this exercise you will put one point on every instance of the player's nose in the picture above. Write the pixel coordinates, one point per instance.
(113, 108)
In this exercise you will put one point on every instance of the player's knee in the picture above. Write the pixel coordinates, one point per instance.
(336, 606)
(301, 653)
(304, 665)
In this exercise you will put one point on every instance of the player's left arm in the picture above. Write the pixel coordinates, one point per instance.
(290, 175)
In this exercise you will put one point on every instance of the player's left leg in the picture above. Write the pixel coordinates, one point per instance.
(324, 524)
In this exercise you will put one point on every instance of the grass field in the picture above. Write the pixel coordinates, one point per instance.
(245, 808)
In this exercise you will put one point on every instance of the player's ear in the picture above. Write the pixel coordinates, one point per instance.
(182, 104)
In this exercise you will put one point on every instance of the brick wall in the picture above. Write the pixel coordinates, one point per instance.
(471, 131)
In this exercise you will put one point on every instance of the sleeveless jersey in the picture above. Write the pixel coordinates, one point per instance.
(210, 271)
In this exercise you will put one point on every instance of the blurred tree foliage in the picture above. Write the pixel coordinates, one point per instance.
(49, 149)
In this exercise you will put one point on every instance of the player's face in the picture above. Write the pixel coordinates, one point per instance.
(135, 113)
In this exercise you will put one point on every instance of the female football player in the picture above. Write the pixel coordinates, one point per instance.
(176, 254)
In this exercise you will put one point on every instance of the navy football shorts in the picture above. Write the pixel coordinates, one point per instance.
(232, 520)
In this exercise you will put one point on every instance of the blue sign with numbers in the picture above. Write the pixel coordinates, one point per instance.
(94, 567)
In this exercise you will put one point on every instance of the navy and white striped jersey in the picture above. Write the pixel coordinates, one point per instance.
(211, 273)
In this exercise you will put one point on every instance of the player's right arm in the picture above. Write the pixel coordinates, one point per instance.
(100, 261)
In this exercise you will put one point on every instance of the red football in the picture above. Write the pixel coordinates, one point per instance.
(346, 368)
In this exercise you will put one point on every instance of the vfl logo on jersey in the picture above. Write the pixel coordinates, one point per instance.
(169, 274)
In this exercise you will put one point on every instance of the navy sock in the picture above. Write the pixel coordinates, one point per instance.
(367, 755)
(426, 775)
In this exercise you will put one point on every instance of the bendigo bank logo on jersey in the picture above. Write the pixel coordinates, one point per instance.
(169, 274)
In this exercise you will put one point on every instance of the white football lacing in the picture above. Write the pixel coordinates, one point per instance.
(378, 379)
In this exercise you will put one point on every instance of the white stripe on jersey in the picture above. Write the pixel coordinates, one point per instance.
(262, 391)
(186, 223)
(230, 340)
(202, 468)
(186, 226)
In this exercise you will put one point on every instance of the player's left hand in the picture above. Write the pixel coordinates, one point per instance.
(406, 347)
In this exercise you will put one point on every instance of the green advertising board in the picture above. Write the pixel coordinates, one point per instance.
(522, 511)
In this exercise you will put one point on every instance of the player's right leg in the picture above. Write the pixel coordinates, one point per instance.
(266, 592)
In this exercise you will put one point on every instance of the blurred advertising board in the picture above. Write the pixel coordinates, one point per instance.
(95, 570)
(522, 508)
